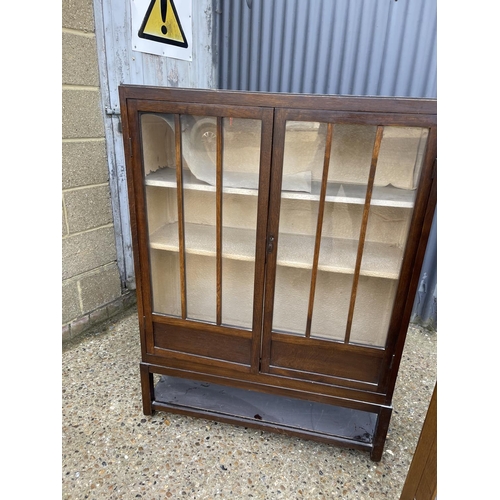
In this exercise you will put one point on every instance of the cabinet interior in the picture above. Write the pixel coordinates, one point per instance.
(398, 169)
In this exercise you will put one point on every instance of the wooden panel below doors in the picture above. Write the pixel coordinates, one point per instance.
(326, 358)
(236, 348)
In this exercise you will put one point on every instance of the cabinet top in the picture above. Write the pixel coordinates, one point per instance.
(362, 104)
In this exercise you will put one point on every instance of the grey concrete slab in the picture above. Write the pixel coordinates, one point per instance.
(112, 451)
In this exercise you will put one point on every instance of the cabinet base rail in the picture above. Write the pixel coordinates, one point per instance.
(340, 426)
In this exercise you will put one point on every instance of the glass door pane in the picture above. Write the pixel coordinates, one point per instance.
(159, 160)
(222, 157)
(342, 233)
(240, 182)
(342, 213)
(199, 153)
(303, 154)
(202, 179)
(398, 168)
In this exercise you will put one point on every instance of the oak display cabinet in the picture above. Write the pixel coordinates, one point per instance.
(278, 241)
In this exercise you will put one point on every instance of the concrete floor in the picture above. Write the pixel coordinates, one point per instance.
(110, 450)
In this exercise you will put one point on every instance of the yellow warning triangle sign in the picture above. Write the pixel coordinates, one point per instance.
(161, 24)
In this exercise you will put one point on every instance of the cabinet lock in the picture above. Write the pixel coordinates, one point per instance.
(270, 243)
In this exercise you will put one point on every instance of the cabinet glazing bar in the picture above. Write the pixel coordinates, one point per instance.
(218, 201)
(319, 228)
(362, 235)
(180, 212)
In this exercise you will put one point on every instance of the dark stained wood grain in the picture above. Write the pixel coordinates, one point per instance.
(408, 106)
(201, 343)
(362, 234)
(128, 132)
(180, 214)
(136, 179)
(179, 365)
(266, 145)
(421, 481)
(384, 418)
(273, 231)
(147, 388)
(319, 227)
(218, 216)
(320, 370)
(327, 358)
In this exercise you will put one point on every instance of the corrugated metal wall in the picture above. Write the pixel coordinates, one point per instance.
(350, 47)
(425, 306)
(354, 47)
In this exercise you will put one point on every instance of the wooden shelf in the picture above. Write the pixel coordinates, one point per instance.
(295, 250)
(166, 177)
(338, 255)
(383, 196)
(238, 244)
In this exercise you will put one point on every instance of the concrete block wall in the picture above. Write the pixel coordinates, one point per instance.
(91, 285)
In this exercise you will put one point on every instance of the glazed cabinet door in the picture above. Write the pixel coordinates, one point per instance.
(197, 174)
(343, 194)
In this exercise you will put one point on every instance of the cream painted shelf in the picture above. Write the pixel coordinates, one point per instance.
(337, 255)
(166, 177)
(238, 244)
(386, 196)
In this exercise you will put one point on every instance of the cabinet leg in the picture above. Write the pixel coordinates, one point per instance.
(384, 418)
(147, 389)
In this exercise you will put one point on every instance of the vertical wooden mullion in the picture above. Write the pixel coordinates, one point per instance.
(319, 228)
(180, 214)
(362, 235)
(266, 151)
(276, 175)
(218, 196)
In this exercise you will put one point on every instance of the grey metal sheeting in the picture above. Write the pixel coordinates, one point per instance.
(352, 47)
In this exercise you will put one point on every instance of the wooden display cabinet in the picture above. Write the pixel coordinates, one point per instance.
(278, 241)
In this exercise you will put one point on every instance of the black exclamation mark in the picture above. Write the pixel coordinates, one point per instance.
(163, 6)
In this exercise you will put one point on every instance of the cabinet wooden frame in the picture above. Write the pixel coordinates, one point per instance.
(260, 358)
